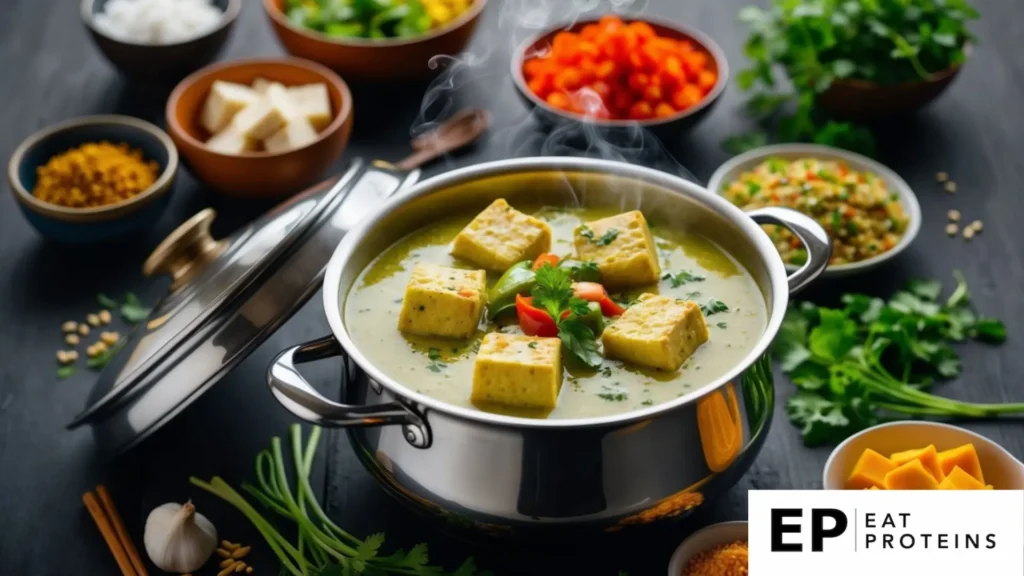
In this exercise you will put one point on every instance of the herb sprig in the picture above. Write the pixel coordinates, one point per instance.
(817, 42)
(553, 293)
(322, 548)
(854, 366)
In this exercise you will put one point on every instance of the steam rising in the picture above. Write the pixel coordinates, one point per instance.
(514, 134)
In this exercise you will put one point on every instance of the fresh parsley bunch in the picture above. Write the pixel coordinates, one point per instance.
(816, 42)
(553, 293)
(857, 365)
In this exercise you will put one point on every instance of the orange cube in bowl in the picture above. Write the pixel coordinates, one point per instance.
(869, 471)
(706, 80)
(960, 480)
(641, 111)
(642, 30)
(928, 457)
(965, 457)
(664, 110)
(910, 476)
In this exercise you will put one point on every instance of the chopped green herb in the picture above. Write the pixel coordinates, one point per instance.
(722, 325)
(98, 362)
(648, 402)
(436, 367)
(65, 372)
(713, 306)
(532, 345)
(553, 293)
(434, 353)
(613, 397)
(132, 309)
(682, 277)
(606, 371)
(106, 302)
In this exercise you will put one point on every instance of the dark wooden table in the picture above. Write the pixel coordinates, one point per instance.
(51, 72)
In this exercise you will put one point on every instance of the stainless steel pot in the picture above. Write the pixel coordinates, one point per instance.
(500, 472)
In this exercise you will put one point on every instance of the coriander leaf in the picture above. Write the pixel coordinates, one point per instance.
(834, 336)
(713, 306)
(990, 330)
(616, 397)
(579, 341)
(927, 289)
(434, 354)
(467, 568)
(553, 290)
(722, 325)
(607, 238)
(843, 68)
(682, 277)
(960, 295)
(581, 271)
(809, 376)
(744, 142)
(65, 372)
(132, 309)
(366, 550)
(764, 105)
(417, 556)
(579, 306)
(586, 232)
(106, 302)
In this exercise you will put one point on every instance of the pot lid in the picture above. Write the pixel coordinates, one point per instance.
(226, 296)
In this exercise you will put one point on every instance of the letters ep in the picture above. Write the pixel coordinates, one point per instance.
(780, 527)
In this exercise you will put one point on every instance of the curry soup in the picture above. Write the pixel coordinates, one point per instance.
(693, 268)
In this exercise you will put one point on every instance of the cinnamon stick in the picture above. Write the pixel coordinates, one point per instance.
(122, 533)
(96, 511)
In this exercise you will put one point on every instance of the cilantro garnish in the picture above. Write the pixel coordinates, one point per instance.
(607, 238)
(682, 277)
(713, 306)
(553, 293)
(854, 366)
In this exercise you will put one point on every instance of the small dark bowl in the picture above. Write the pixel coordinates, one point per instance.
(663, 127)
(103, 223)
(162, 62)
(854, 99)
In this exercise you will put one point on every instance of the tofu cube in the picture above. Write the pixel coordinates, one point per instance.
(298, 132)
(443, 301)
(313, 102)
(500, 236)
(622, 247)
(260, 85)
(658, 332)
(518, 371)
(231, 141)
(267, 115)
(226, 99)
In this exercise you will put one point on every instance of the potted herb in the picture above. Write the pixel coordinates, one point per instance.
(848, 60)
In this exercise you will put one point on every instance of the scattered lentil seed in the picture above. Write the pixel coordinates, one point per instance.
(71, 339)
(226, 571)
(942, 177)
(976, 225)
(83, 329)
(227, 562)
(223, 553)
(62, 357)
(228, 545)
(951, 187)
(104, 316)
(248, 569)
(110, 338)
(73, 355)
(240, 567)
(241, 552)
(93, 320)
(968, 233)
(952, 229)
(96, 349)
(69, 326)
(954, 215)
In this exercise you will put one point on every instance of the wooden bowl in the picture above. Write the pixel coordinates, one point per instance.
(258, 174)
(664, 127)
(854, 99)
(384, 60)
(98, 224)
(155, 62)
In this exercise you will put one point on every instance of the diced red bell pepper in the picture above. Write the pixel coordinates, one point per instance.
(545, 258)
(594, 292)
(534, 321)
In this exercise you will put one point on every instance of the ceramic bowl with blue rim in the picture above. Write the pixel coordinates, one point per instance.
(102, 223)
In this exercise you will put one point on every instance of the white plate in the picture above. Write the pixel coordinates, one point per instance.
(1001, 469)
(729, 171)
(706, 539)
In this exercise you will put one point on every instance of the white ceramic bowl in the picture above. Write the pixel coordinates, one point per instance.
(705, 539)
(731, 170)
(1002, 470)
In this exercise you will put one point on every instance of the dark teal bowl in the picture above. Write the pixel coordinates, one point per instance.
(105, 223)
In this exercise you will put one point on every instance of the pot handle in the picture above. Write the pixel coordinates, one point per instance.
(811, 234)
(302, 400)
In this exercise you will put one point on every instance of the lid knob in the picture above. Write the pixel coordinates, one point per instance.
(186, 251)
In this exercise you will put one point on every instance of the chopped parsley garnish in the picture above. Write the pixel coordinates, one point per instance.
(553, 293)
(682, 277)
(606, 371)
(65, 372)
(132, 309)
(713, 306)
(613, 397)
(722, 325)
(106, 302)
(648, 402)
(607, 238)
(435, 354)
(532, 345)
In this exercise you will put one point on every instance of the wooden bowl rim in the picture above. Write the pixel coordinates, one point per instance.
(474, 10)
(707, 43)
(229, 17)
(329, 77)
(110, 211)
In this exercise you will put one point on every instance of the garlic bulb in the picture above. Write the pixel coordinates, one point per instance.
(178, 539)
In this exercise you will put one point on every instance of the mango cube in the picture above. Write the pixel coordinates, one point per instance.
(500, 236)
(443, 301)
(965, 457)
(870, 471)
(957, 479)
(929, 458)
(518, 371)
(622, 247)
(911, 476)
(658, 331)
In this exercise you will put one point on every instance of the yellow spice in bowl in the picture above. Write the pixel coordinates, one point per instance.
(722, 560)
(94, 174)
(863, 218)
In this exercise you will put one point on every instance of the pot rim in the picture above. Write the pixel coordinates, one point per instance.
(777, 274)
